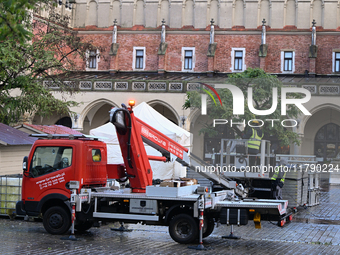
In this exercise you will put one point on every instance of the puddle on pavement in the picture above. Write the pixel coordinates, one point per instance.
(317, 221)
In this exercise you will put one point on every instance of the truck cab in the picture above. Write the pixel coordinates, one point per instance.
(50, 166)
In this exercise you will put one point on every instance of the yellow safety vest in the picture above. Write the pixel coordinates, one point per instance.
(255, 140)
(276, 174)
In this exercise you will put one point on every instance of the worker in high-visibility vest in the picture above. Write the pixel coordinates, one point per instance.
(278, 178)
(255, 136)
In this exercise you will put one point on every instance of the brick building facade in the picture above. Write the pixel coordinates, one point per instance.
(136, 63)
(226, 42)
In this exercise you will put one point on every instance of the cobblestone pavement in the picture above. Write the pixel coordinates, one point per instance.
(328, 210)
(315, 230)
(20, 237)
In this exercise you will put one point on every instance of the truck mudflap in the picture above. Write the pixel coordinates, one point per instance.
(18, 208)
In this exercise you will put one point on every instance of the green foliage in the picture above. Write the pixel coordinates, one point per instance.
(262, 85)
(14, 18)
(26, 60)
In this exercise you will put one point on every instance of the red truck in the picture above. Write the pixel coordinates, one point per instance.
(62, 171)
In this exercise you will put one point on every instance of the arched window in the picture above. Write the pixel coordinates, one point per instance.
(139, 12)
(239, 9)
(92, 14)
(317, 12)
(264, 14)
(115, 11)
(290, 13)
(327, 141)
(166, 112)
(214, 11)
(165, 11)
(189, 13)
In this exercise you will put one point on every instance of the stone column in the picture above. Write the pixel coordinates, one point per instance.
(211, 49)
(263, 63)
(263, 47)
(162, 50)
(313, 48)
(114, 50)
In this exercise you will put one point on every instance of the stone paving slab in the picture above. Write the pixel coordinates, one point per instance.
(20, 237)
(314, 230)
(327, 211)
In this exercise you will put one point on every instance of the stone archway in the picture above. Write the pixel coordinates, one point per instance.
(166, 110)
(321, 117)
(65, 121)
(53, 119)
(95, 114)
(327, 142)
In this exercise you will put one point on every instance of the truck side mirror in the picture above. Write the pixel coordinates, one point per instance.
(25, 164)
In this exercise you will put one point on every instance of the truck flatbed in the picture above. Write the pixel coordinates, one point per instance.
(126, 193)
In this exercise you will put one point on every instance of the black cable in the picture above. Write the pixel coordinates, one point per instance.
(88, 210)
(242, 159)
(269, 220)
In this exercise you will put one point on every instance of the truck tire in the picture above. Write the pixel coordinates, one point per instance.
(208, 228)
(183, 229)
(57, 220)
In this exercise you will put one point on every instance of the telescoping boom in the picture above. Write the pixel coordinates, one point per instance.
(132, 132)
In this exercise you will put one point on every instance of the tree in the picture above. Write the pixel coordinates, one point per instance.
(262, 84)
(14, 19)
(31, 51)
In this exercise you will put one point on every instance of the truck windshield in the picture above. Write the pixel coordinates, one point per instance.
(49, 159)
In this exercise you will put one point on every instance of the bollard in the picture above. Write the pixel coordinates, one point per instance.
(72, 237)
(200, 246)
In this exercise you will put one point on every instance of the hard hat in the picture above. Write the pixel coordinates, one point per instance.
(255, 122)
(283, 161)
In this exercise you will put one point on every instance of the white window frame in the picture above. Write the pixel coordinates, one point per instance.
(333, 60)
(244, 67)
(193, 59)
(87, 55)
(283, 61)
(134, 58)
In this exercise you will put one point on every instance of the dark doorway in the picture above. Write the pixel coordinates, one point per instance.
(65, 121)
(327, 142)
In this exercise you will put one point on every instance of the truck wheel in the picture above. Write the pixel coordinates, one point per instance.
(208, 228)
(57, 220)
(183, 229)
(83, 226)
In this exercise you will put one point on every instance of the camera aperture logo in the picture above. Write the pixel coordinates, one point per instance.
(204, 102)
